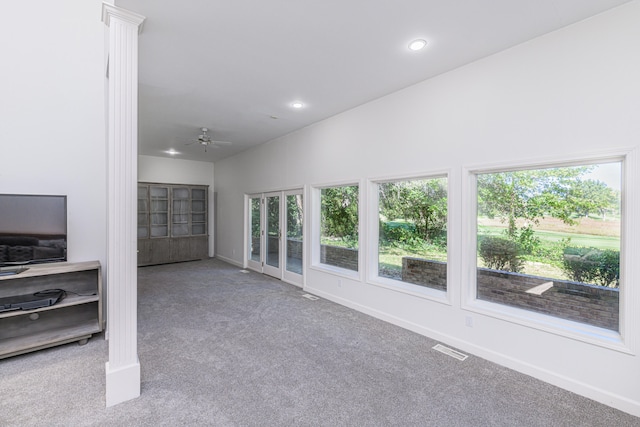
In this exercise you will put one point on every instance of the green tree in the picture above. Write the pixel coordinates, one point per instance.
(590, 195)
(255, 218)
(421, 202)
(294, 215)
(339, 213)
(530, 195)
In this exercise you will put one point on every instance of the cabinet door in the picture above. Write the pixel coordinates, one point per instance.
(144, 251)
(199, 247)
(159, 211)
(160, 251)
(180, 211)
(198, 211)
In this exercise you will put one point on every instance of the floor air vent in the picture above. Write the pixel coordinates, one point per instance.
(450, 352)
(311, 297)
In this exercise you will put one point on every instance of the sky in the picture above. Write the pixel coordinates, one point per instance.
(609, 173)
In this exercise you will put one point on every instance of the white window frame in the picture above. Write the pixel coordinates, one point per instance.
(315, 237)
(629, 299)
(373, 278)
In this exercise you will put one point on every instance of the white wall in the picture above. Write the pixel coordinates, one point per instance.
(566, 95)
(178, 171)
(52, 133)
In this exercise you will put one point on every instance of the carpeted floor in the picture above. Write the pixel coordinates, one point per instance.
(219, 347)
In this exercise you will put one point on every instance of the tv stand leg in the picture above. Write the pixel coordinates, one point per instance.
(83, 341)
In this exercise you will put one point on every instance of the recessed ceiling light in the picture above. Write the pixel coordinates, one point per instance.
(172, 152)
(417, 44)
(297, 105)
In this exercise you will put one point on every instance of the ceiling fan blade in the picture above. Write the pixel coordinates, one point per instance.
(206, 141)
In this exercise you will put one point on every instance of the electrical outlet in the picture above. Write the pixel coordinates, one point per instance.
(468, 321)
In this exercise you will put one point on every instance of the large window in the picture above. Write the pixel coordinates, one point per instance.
(548, 241)
(412, 231)
(339, 227)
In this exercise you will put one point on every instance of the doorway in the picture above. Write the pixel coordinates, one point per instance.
(276, 234)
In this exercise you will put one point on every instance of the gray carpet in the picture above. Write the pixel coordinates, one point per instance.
(219, 347)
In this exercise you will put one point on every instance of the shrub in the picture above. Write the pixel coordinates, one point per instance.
(527, 240)
(609, 271)
(500, 254)
(592, 265)
(397, 232)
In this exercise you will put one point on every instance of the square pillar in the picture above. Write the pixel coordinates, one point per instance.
(123, 367)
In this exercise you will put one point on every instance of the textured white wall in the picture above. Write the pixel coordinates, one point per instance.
(569, 94)
(52, 111)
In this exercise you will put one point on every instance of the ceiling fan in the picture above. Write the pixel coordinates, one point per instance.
(205, 140)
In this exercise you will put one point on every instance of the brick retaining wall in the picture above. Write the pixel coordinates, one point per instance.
(339, 257)
(581, 302)
(294, 248)
(419, 271)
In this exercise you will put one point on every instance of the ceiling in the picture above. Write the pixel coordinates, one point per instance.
(236, 66)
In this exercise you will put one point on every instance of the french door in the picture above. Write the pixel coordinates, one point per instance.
(273, 236)
(276, 235)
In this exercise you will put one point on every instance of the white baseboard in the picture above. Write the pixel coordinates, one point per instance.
(229, 260)
(610, 399)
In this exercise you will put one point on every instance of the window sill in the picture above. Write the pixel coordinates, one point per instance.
(601, 337)
(337, 271)
(410, 289)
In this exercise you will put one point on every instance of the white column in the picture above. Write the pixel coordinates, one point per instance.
(123, 367)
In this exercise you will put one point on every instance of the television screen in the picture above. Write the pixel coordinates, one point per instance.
(33, 229)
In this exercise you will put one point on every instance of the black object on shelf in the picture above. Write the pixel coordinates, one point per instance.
(40, 299)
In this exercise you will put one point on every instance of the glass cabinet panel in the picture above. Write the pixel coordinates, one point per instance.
(198, 211)
(180, 212)
(143, 212)
(159, 211)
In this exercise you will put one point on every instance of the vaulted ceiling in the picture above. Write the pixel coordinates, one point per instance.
(237, 66)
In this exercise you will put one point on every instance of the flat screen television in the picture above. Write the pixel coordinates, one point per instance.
(33, 229)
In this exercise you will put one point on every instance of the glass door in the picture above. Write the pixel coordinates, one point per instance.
(273, 235)
(275, 231)
(293, 246)
(254, 245)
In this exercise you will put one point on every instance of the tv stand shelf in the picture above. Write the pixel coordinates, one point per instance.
(75, 318)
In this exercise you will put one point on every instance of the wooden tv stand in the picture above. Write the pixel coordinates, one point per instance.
(75, 318)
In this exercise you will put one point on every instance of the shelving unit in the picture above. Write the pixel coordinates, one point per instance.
(76, 318)
(172, 223)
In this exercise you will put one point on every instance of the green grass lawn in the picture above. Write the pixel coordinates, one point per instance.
(550, 237)
(390, 257)
(545, 267)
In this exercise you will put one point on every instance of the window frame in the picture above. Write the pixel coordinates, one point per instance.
(629, 298)
(373, 256)
(315, 230)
